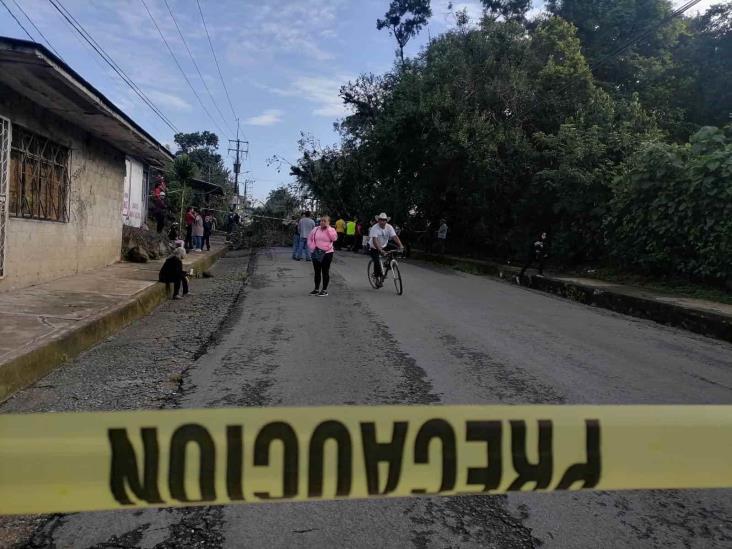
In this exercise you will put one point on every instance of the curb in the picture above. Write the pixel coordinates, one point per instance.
(707, 323)
(22, 371)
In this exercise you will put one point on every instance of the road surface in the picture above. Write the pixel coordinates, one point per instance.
(451, 338)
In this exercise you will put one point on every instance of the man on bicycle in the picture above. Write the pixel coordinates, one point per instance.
(380, 236)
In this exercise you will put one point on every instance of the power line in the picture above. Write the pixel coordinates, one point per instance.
(180, 68)
(650, 30)
(644, 34)
(37, 30)
(190, 54)
(79, 28)
(17, 20)
(213, 52)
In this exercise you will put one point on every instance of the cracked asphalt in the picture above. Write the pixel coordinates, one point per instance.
(451, 338)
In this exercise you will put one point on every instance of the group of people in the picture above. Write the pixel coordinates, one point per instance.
(199, 226)
(318, 242)
(352, 235)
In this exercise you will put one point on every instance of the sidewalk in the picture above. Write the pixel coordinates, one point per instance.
(704, 317)
(46, 325)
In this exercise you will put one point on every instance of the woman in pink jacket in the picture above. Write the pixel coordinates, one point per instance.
(320, 244)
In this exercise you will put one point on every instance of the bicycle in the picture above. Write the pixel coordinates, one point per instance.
(388, 264)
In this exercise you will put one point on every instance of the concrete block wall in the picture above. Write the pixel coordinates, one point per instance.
(38, 251)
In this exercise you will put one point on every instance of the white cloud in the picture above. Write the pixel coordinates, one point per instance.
(442, 16)
(701, 7)
(285, 27)
(168, 100)
(269, 117)
(323, 92)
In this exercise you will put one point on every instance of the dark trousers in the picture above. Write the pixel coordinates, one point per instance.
(177, 284)
(206, 241)
(339, 242)
(322, 268)
(530, 262)
(160, 219)
(189, 237)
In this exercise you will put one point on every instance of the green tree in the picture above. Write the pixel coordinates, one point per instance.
(201, 148)
(704, 66)
(508, 9)
(404, 20)
(672, 208)
(180, 194)
(281, 203)
(650, 34)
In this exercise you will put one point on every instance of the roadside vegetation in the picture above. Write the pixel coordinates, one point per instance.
(605, 123)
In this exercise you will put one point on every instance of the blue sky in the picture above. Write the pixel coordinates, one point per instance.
(283, 62)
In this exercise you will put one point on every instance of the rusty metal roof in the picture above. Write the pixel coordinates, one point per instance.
(36, 73)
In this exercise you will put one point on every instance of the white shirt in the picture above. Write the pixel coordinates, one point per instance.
(442, 232)
(382, 235)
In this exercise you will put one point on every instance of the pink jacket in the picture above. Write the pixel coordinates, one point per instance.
(322, 239)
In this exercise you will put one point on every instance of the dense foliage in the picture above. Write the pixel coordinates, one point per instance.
(510, 126)
(671, 209)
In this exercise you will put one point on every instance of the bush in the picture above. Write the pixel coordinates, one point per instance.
(672, 209)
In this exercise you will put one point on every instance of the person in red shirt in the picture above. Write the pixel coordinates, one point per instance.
(159, 206)
(189, 220)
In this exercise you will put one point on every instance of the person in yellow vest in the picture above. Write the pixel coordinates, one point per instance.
(351, 235)
(341, 231)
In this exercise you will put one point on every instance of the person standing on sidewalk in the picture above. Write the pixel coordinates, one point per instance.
(351, 234)
(305, 227)
(208, 225)
(320, 244)
(159, 206)
(340, 227)
(538, 252)
(189, 219)
(295, 236)
(441, 236)
(172, 272)
(197, 232)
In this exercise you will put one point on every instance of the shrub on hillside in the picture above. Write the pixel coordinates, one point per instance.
(672, 208)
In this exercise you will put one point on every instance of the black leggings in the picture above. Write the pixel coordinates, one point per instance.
(324, 268)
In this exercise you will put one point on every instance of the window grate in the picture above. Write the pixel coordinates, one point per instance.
(39, 177)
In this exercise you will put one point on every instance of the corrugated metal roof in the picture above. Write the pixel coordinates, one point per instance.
(36, 73)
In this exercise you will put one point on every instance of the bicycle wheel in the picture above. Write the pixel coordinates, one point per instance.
(397, 278)
(370, 273)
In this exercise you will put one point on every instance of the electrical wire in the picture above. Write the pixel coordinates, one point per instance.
(190, 54)
(593, 67)
(180, 68)
(79, 28)
(17, 21)
(38, 30)
(213, 52)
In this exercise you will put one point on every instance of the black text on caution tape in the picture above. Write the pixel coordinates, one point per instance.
(159, 465)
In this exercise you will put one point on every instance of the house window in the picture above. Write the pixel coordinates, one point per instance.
(39, 177)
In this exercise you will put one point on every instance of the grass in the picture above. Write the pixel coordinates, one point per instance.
(675, 287)
(670, 286)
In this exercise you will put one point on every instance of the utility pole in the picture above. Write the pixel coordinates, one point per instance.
(238, 150)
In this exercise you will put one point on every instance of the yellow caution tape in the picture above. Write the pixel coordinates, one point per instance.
(68, 462)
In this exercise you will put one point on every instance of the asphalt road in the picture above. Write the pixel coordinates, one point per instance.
(451, 338)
